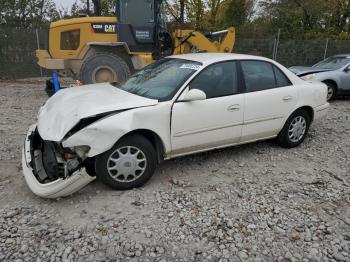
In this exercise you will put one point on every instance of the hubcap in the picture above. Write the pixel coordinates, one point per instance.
(104, 74)
(297, 129)
(126, 164)
(330, 93)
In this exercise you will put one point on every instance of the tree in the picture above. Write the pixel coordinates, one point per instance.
(195, 13)
(339, 14)
(80, 7)
(176, 10)
(214, 6)
(238, 12)
(27, 13)
(182, 11)
(306, 19)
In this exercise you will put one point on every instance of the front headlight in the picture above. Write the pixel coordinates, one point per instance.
(308, 77)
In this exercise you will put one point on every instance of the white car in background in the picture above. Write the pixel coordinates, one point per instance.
(177, 106)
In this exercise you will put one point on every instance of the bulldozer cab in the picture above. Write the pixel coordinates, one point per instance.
(95, 48)
(142, 25)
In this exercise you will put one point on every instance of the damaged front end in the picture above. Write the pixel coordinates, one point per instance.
(58, 148)
(50, 170)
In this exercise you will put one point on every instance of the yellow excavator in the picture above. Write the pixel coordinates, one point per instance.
(95, 49)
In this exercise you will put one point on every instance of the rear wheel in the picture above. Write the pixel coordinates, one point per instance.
(128, 164)
(295, 129)
(104, 67)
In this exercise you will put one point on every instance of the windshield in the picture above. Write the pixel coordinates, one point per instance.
(333, 63)
(136, 12)
(161, 79)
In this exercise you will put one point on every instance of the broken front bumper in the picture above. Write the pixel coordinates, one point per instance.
(58, 188)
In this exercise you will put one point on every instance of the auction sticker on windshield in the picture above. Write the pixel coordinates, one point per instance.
(190, 66)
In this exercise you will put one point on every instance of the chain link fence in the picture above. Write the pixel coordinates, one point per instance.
(17, 51)
(293, 52)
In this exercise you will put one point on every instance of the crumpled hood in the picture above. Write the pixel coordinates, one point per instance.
(66, 108)
(304, 70)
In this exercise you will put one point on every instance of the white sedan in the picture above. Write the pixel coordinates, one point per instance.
(177, 106)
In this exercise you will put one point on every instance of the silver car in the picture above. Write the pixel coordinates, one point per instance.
(333, 71)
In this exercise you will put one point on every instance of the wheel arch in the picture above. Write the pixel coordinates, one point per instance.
(153, 137)
(283, 134)
(331, 81)
(308, 109)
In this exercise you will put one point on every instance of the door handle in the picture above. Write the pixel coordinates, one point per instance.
(287, 98)
(233, 108)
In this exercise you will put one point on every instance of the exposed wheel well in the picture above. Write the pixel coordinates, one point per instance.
(332, 82)
(308, 110)
(154, 139)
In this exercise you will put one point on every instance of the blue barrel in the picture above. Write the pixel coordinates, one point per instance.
(56, 83)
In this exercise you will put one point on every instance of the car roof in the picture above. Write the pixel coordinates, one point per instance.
(342, 55)
(209, 58)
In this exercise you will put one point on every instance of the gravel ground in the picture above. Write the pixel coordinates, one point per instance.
(256, 202)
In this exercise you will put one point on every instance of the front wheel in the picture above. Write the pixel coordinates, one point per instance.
(294, 130)
(128, 164)
(331, 91)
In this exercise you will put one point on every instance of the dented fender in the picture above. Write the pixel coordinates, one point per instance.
(101, 135)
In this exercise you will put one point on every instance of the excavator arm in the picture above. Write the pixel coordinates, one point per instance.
(187, 41)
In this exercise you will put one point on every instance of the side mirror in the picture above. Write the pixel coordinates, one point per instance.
(193, 95)
(347, 69)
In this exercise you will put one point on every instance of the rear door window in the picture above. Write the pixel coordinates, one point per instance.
(260, 75)
(281, 79)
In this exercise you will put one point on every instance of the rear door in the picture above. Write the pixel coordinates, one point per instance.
(269, 100)
(215, 121)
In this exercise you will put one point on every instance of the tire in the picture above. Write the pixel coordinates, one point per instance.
(300, 123)
(89, 165)
(131, 171)
(104, 67)
(331, 92)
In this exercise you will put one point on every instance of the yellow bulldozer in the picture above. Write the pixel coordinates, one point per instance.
(97, 49)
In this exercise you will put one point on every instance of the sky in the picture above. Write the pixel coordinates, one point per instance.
(64, 3)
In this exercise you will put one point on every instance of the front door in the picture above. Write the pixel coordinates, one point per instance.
(215, 121)
(345, 79)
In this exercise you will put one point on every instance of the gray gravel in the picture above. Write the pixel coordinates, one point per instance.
(256, 202)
